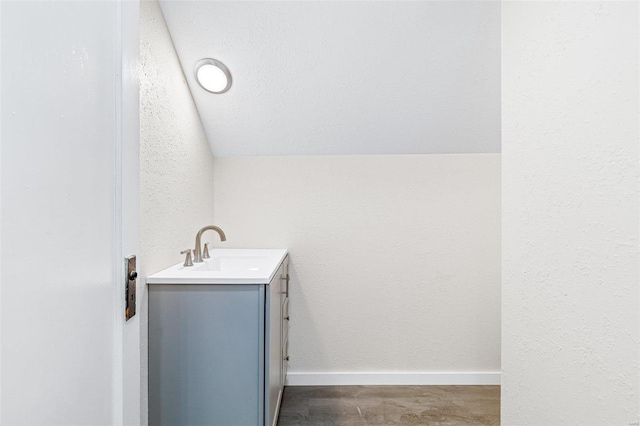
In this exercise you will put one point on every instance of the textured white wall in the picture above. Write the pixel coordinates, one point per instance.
(570, 213)
(345, 77)
(395, 259)
(176, 165)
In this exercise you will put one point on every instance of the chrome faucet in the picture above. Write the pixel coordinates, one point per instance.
(198, 251)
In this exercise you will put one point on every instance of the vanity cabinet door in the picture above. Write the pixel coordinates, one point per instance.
(284, 353)
(274, 339)
(206, 355)
(285, 359)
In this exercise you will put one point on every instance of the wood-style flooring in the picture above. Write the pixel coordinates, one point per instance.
(390, 405)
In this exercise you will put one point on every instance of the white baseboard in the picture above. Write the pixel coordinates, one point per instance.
(349, 379)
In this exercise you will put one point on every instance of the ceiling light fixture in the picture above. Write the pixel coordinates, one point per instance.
(212, 75)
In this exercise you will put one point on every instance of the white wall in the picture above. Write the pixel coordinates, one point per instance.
(176, 165)
(570, 213)
(67, 115)
(345, 77)
(395, 259)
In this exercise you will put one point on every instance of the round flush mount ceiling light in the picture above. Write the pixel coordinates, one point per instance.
(212, 75)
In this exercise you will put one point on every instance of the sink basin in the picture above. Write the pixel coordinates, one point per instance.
(226, 266)
(231, 262)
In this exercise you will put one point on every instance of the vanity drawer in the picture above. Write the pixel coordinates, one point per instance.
(284, 283)
(285, 360)
(285, 320)
(285, 308)
(285, 278)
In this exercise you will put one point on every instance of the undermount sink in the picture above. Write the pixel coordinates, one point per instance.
(225, 266)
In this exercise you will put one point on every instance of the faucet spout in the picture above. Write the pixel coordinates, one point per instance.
(198, 251)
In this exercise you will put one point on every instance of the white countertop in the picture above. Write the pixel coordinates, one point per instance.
(226, 266)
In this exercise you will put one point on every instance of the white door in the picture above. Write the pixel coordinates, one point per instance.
(68, 212)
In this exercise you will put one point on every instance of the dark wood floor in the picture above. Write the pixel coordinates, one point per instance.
(390, 405)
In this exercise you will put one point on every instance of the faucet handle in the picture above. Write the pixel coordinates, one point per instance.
(205, 252)
(187, 260)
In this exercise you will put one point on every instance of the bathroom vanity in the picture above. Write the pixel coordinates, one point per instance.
(218, 339)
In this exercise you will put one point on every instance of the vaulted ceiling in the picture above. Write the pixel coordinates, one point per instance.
(345, 77)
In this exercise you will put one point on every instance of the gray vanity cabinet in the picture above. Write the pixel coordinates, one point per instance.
(217, 352)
